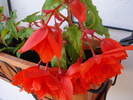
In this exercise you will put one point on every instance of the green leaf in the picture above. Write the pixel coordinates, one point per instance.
(19, 46)
(18, 23)
(73, 55)
(33, 17)
(1, 26)
(13, 14)
(74, 37)
(11, 49)
(11, 27)
(63, 60)
(93, 20)
(18, 54)
(50, 4)
(25, 33)
(54, 62)
(8, 38)
(3, 35)
(1, 10)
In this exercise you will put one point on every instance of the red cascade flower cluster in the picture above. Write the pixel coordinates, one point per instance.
(79, 76)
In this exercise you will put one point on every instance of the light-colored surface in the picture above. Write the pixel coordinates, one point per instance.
(114, 13)
(9, 92)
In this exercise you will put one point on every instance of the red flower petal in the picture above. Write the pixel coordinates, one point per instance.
(73, 69)
(78, 13)
(112, 47)
(34, 71)
(119, 53)
(55, 46)
(67, 88)
(18, 78)
(78, 88)
(109, 44)
(34, 39)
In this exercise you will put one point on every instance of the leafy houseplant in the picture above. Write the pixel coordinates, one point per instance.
(68, 70)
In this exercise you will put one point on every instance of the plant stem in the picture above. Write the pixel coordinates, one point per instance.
(59, 68)
(4, 18)
(46, 66)
(85, 35)
(38, 64)
(67, 19)
(96, 37)
(91, 48)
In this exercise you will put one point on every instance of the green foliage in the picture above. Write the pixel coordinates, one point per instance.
(32, 18)
(10, 24)
(73, 46)
(93, 19)
(25, 33)
(73, 55)
(13, 14)
(18, 47)
(63, 60)
(3, 35)
(11, 32)
(10, 49)
(74, 36)
(1, 12)
(1, 27)
(8, 39)
(51, 4)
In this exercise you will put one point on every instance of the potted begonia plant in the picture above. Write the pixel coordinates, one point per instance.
(68, 70)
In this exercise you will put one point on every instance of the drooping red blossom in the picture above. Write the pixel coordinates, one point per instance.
(67, 88)
(78, 10)
(66, 92)
(73, 72)
(26, 77)
(112, 47)
(99, 68)
(42, 82)
(109, 44)
(45, 42)
(79, 84)
(106, 65)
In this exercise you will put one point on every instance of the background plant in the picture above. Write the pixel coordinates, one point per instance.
(13, 36)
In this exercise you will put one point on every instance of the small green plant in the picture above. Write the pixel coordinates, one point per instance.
(12, 35)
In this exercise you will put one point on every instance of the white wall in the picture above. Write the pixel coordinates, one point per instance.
(117, 13)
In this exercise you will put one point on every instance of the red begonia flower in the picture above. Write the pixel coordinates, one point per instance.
(44, 43)
(67, 88)
(100, 67)
(78, 10)
(73, 72)
(42, 82)
(79, 85)
(109, 44)
(112, 47)
(38, 81)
